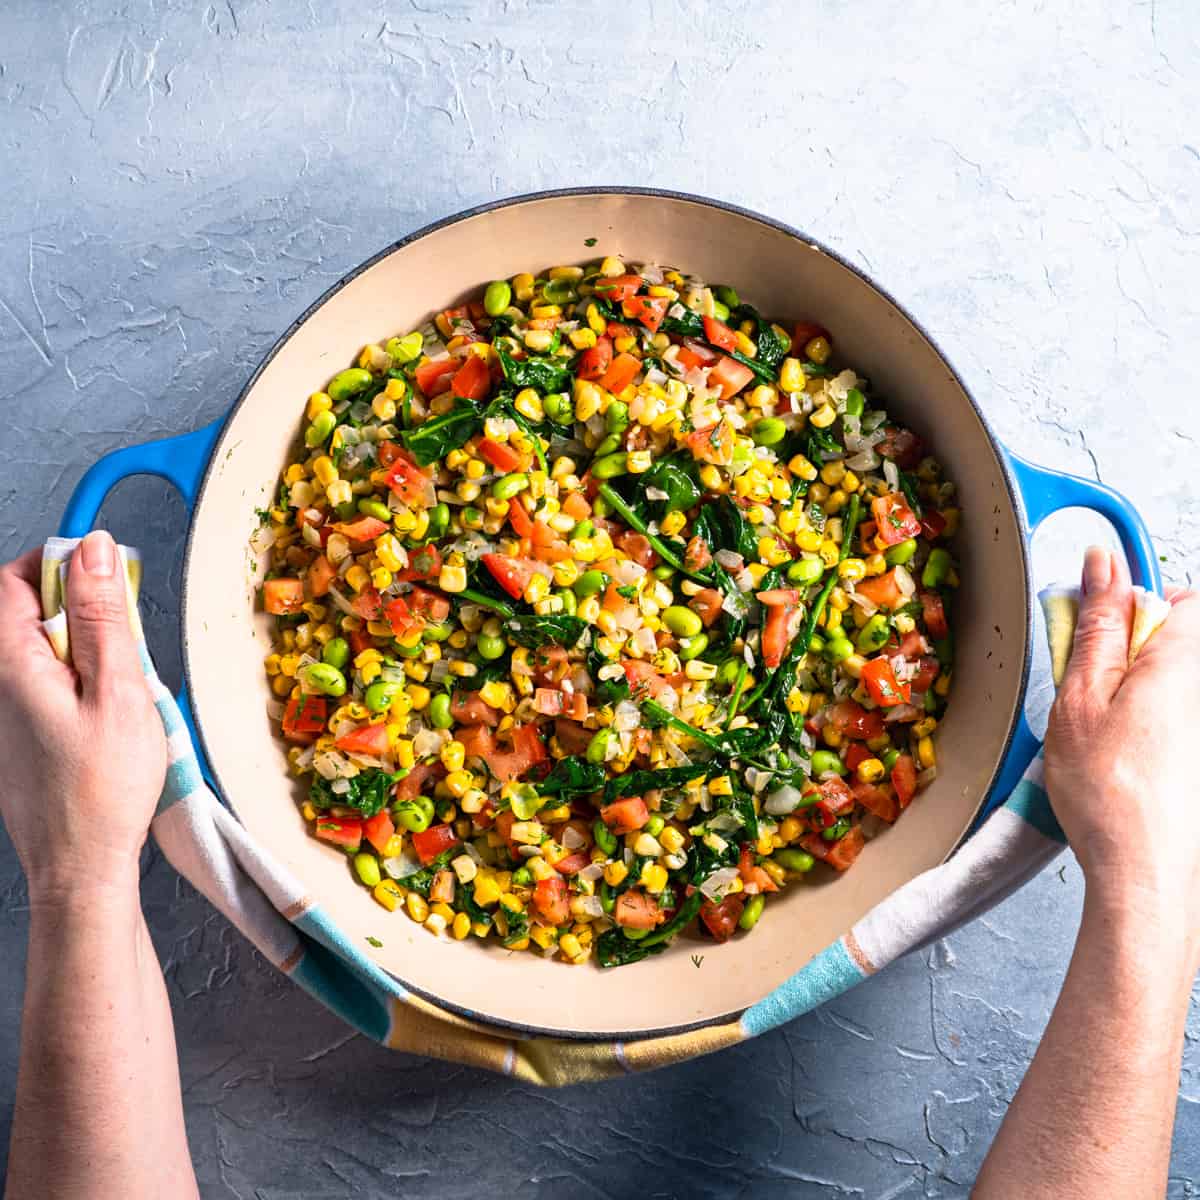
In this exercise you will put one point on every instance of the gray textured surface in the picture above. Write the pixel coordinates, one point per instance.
(179, 181)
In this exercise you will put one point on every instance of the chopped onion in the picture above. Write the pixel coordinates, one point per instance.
(730, 560)
(783, 801)
(339, 787)
(405, 863)
(653, 493)
(904, 581)
(572, 839)
(340, 602)
(628, 572)
(868, 606)
(651, 273)
(263, 538)
(717, 885)
(588, 906)
(901, 712)
(429, 741)
(627, 716)
(926, 777)
(891, 473)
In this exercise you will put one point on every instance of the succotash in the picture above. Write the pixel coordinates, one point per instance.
(605, 605)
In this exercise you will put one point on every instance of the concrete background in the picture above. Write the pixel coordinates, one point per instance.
(180, 181)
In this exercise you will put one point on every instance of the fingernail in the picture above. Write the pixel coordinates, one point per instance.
(1097, 570)
(98, 553)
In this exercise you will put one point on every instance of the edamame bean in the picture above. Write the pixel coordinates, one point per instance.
(770, 431)
(439, 521)
(445, 809)
(634, 935)
(522, 877)
(496, 297)
(406, 651)
(937, 569)
(793, 860)
(872, 635)
(605, 838)
(816, 643)
(727, 295)
(558, 291)
(681, 621)
(439, 631)
(663, 571)
(900, 553)
(855, 403)
(805, 570)
(318, 432)
(336, 652)
(720, 311)
(751, 913)
(838, 648)
(405, 349)
(415, 815)
(889, 757)
(655, 825)
(836, 831)
(507, 486)
(585, 529)
(609, 445)
(607, 900)
(379, 696)
(597, 750)
(616, 419)
(324, 678)
(490, 647)
(472, 518)
(601, 507)
(366, 866)
(610, 466)
(569, 603)
(825, 761)
(345, 385)
(692, 647)
(375, 508)
(590, 583)
(558, 407)
(729, 670)
(439, 711)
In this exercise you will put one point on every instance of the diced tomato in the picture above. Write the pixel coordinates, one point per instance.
(469, 708)
(548, 702)
(904, 779)
(321, 574)
(519, 519)
(527, 749)
(550, 900)
(804, 333)
(706, 604)
(894, 520)
(368, 604)
(504, 823)
(441, 891)
(882, 590)
(854, 721)
(434, 377)
(721, 919)
(572, 864)
(341, 831)
(620, 373)
(638, 547)
(625, 816)
(364, 529)
(594, 361)
(472, 380)
(835, 792)
(713, 444)
(423, 563)
(433, 606)
(719, 334)
(572, 737)
(856, 753)
(649, 310)
(359, 640)
(619, 288)
(433, 841)
(933, 613)
(730, 376)
(928, 669)
(501, 455)
(642, 678)
(933, 524)
(636, 910)
(840, 854)
(282, 597)
(548, 546)
(693, 353)
(389, 452)
(880, 800)
(576, 507)
(419, 781)
(512, 574)
(401, 618)
(882, 684)
(409, 483)
(378, 830)
(902, 446)
(697, 556)
(477, 741)
(366, 739)
(304, 718)
(615, 330)
(754, 878)
(782, 605)
(549, 665)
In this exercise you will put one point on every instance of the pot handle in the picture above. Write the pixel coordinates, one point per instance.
(181, 461)
(1043, 492)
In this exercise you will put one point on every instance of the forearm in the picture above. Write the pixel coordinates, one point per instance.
(1094, 1114)
(98, 1109)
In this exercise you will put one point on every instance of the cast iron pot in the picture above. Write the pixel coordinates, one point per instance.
(227, 470)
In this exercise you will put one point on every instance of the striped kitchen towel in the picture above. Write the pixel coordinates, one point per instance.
(209, 847)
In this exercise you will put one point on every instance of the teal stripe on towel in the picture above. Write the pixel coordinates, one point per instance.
(832, 972)
(1030, 802)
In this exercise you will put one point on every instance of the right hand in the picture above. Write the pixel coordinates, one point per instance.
(1120, 748)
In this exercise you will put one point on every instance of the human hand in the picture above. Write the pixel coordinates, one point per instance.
(83, 746)
(1119, 753)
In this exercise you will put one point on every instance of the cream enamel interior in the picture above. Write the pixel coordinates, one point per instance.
(225, 640)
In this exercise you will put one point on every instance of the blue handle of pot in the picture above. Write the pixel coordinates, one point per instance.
(1044, 492)
(181, 461)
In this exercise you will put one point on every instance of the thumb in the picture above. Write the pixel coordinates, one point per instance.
(1100, 656)
(97, 612)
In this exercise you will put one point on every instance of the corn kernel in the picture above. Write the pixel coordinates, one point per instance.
(418, 906)
(791, 375)
(823, 417)
(388, 893)
(654, 878)
(318, 403)
(924, 727)
(615, 873)
(453, 755)
(324, 470)
(870, 770)
(925, 753)
(537, 588)
(452, 578)
(797, 702)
